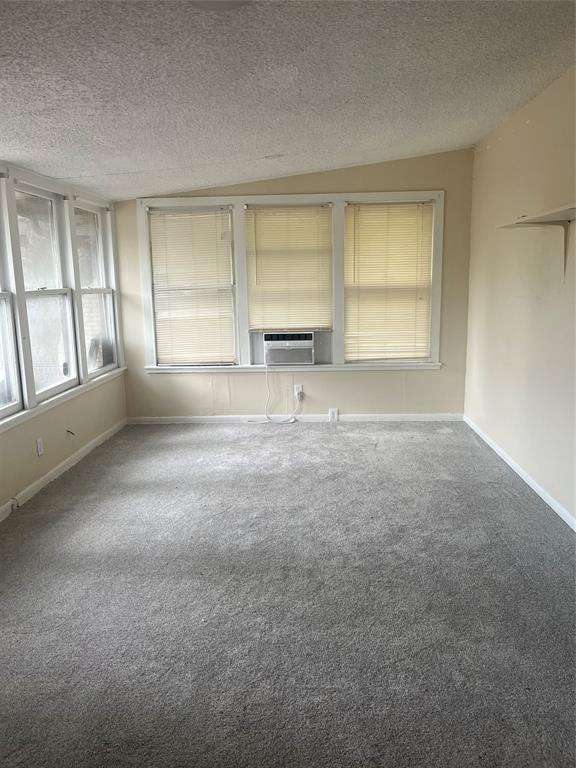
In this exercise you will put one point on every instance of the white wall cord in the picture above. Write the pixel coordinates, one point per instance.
(289, 419)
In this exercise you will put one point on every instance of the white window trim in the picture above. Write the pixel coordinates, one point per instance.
(15, 407)
(45, 394)
(66, 278)
(238, 205)
(68, 198)
(406, 365)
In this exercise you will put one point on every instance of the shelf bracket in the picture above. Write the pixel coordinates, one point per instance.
(566, 227)
(564, 224)
(558, 217)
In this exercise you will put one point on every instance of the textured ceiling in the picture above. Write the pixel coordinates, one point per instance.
(139, 98)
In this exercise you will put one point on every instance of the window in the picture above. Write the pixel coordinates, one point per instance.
(97, 296)
(289, 261)
(387, 281)
(10, 400)
(48, 302)
(57, 300)
(193, 287)
(363, 271)
(10, 392)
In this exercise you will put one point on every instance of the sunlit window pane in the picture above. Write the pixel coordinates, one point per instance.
(52, 340)
(9, 390)
(38, 246)
(99, 330)
(88, 248)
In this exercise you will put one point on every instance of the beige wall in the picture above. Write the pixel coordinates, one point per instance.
(520, 372)
(435, 391)
(88, 415)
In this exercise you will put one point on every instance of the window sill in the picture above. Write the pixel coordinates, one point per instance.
(392, 366)
(25, 415)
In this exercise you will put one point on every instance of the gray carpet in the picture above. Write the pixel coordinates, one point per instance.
(306, 596)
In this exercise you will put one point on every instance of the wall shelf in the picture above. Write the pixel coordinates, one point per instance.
(557, 217)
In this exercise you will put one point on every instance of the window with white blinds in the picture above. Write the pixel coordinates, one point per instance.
(363, 270)
(387, 281)
(289, 266)
(193, 287)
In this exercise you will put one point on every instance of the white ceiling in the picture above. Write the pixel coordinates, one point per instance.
(138, 98)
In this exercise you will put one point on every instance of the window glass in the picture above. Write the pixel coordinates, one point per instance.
(9, 389)
(99, 330)
(52, 340)
(38, 245)
(90, 261)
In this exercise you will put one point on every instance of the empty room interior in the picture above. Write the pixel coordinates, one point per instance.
(287, 384)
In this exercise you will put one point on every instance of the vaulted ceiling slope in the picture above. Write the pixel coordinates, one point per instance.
(137, 98)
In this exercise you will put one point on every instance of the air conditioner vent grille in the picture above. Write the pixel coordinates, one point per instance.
(291, 348)
(308, 336)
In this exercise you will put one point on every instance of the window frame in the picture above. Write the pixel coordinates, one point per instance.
(312, 327)
(148, 291)
(73, 381)
(106, 253)
(66, 280)
(64, 198)
(356, 285)
(337, 202)
(15, 407)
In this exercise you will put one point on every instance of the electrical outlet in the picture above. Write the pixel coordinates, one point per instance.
(298, 391)
(332, 414)
(39, 446)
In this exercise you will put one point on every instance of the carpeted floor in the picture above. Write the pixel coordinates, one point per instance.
(307, 596)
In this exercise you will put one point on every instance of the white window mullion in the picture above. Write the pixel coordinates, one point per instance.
(73, 269)
(241, 282)
(338, 283)
(16, 282)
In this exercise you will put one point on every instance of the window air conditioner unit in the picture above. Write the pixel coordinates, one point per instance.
(289, 348)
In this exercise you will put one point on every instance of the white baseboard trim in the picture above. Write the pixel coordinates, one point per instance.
(5, 509)
(21, 498)
(400, 417)
(528, 479)
(306, 417)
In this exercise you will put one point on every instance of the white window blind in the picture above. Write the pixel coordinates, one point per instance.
(193, 290)
(387, 281)
(289, 264)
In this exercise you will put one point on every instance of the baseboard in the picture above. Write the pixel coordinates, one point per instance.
(21, 498)
(528, 479)
(5, 509)
(400, 417)
(306, 417)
